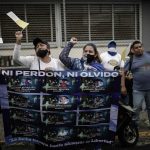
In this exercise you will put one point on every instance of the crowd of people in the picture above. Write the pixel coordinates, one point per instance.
(91, 60)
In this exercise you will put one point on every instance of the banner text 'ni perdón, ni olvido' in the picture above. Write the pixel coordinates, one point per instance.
(60, 109)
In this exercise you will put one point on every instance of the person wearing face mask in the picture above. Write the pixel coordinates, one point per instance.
(90, 59)
(111, 58)
(42, 60)
(111, 61)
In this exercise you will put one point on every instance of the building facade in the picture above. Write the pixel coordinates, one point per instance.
(92, 20)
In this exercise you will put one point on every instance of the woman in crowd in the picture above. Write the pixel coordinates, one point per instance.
(90, 59)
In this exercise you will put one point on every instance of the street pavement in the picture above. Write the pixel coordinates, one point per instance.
(143, 143)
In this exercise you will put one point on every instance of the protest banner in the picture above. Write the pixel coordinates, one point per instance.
(60, 109)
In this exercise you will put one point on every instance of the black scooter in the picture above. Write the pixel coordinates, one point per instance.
(127, 130)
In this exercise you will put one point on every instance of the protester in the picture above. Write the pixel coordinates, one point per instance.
(111, 60)
(42, 60)
(141, 78)
(89, 61)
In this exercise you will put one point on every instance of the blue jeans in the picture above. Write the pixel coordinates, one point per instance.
(138, 98)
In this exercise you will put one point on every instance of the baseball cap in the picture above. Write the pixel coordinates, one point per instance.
(112, 44)
(38, 40)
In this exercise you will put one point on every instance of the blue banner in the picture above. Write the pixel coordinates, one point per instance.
(60, 109)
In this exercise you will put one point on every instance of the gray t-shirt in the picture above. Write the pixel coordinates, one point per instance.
(141, 71)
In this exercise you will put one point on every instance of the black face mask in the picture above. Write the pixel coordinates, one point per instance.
(90, 58)
(42, 53)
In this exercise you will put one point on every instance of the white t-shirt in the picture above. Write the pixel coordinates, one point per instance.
(109, 62)
(34, 63)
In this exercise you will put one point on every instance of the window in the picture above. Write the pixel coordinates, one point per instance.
(126, 22)
(102, 21)
(42, 22)
(87, 22)
(77, 21)
(41, 18)
(8, 26)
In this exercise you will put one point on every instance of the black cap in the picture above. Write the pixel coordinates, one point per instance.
(38, 40)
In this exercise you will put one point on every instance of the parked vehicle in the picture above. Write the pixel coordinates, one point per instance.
(127, 130)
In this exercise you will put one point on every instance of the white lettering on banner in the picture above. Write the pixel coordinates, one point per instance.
(34, 73)
(7, 72)
(55, 146)
(38, 73)
(59, 74)
(53, 74)
(101, 74)
(84, 74)
(72, 74)
(92, 74)
(20, 73)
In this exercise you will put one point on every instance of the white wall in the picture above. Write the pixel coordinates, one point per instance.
(75, 51)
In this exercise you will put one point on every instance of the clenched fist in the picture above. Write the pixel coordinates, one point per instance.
(74, 40)
(18, 36)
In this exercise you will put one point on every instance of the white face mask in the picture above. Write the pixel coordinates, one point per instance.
(112, 49)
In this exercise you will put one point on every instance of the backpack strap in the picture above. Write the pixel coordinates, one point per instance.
(130, 62)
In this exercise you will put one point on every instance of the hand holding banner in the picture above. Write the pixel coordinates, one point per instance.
(18, 21)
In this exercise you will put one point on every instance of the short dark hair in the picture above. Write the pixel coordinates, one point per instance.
(135, 42)
(132, 46)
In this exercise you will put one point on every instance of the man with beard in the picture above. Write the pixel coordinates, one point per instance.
(141, 78)
(42, 60)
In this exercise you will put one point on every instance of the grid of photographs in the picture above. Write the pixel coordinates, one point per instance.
(56, 110)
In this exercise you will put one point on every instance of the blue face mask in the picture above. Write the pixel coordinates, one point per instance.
(112, 53)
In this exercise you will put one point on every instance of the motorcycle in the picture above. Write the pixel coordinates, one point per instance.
(127, 130)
